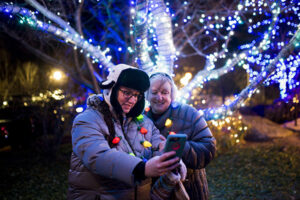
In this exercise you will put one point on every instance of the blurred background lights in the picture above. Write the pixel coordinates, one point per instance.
(186, 78)
(79, 109)
(57, 75)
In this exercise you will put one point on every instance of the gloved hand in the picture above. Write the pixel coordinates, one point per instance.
(173, 177)
(182, 170)
(179, 174)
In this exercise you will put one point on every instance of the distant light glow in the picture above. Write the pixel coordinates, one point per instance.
(79, 109)
(57, 75)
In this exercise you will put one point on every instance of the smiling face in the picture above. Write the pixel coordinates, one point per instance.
(160, 96)
(127, 98)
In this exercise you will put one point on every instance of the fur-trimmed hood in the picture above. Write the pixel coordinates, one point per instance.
(127, 76)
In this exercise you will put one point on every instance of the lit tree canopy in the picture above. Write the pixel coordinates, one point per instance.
(86, 38)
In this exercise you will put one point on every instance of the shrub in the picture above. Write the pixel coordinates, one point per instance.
(228, 132)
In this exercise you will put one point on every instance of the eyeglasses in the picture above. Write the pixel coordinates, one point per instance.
(128, 95)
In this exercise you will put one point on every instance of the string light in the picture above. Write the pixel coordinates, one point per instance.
(29, 18)
(153, 21)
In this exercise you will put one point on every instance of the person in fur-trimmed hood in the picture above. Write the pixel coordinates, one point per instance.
(115, 148)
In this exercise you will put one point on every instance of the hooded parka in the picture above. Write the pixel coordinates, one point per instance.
(99, 171)
(199, 149)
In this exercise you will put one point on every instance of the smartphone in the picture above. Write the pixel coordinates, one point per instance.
(176, 143)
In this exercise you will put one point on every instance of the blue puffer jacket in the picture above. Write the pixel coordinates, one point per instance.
(199, 149)
(99, 171)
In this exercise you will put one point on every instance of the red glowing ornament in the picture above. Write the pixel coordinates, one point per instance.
(172, 133)
(147, 109)
(143, 131)
(116, 140)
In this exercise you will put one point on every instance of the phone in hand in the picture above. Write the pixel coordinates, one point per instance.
(175, 143)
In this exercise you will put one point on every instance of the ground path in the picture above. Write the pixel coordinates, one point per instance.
(266, 132)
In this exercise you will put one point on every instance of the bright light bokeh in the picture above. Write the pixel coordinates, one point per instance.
(57, 75)
(187, 77)
(79, 109)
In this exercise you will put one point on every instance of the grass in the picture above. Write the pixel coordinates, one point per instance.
(29, 176)
(248, 172)
(255, 172)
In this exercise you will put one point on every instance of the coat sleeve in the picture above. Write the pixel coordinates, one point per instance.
(156, 140)
(201, 145)
(90, 145)
(155, 136)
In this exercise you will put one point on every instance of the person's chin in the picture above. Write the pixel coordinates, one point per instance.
(159, 110)
(126, 109)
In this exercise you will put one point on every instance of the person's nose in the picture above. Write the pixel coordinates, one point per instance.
(132, 99)
(159, 97)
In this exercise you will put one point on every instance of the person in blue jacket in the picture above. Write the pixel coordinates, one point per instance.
(172, 117)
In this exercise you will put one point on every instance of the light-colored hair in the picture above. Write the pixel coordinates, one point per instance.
(162, 77)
